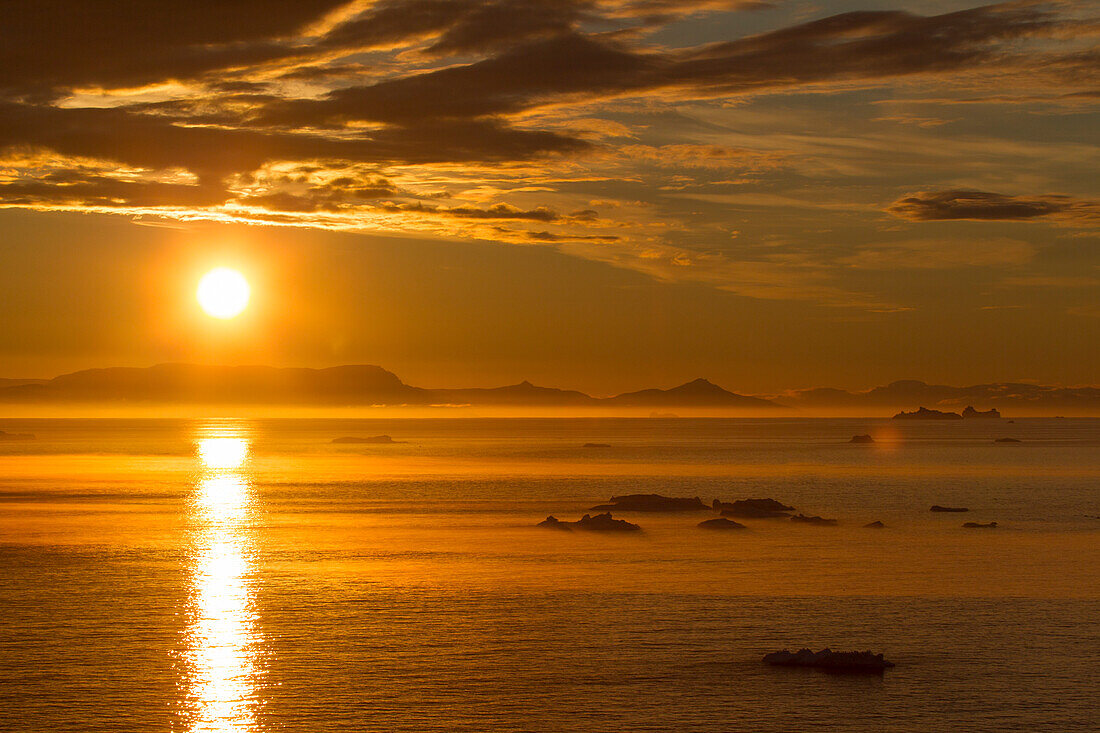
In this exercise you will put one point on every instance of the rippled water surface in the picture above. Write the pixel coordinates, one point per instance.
(232, 575)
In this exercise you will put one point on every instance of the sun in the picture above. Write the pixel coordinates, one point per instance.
(223, 293)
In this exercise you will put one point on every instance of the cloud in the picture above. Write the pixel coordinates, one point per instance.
(506, 119)
(511, 82)
(49, 45)
(157, 142)
(985, 206)
(864, 45)
(101, 191)
(482, 26)
(459, 26)
(666, 9)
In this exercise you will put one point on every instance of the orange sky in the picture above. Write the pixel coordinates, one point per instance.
(601, 194)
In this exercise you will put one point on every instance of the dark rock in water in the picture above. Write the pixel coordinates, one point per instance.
(988, 414)
(938, 508)
(720, 523)
(830, 661)
(373, 439)
(596, 445)
(752, 508)
(820, 521)
(874, 525)
(979, 525)
(1006, 440)
(1010, 422)
(553, 522)
(605, 523)
(925, 414)
(16, 436)
(862, 439)
(651, 503)
(598, 523)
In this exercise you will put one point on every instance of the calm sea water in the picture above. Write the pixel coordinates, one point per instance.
(231, 575)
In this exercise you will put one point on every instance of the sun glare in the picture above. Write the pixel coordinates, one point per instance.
(223, 293)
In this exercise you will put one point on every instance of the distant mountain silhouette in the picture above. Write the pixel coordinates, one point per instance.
(336, 386)
(216, 384)
(365, 385)
(910, 393)
(523, 393)
(698, 393)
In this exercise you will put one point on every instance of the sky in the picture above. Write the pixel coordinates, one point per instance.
(595, 194)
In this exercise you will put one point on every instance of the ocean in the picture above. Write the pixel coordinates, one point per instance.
(250, 575)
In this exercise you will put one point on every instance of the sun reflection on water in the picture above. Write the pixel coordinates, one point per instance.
(222, 639)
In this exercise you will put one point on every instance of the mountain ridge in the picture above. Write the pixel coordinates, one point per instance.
(353, 384)
(371, 385)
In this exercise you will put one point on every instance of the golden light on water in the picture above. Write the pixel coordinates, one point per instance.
(222, 639)
(223, 293)
(222, 453)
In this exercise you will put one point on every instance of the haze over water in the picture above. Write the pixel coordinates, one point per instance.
(250, 576)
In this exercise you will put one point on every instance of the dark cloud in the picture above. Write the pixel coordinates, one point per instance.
(459, 26)
(292, 202)
(332, 196)
(391, 23)
(368, 188)
(985, 206)
(212, 153)
(506, 24)
(481, 26)
(511, 82)
(859, 45)
(501, 211)
(81, 190)
(51, 44)
(498, 212)
(553, 237)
